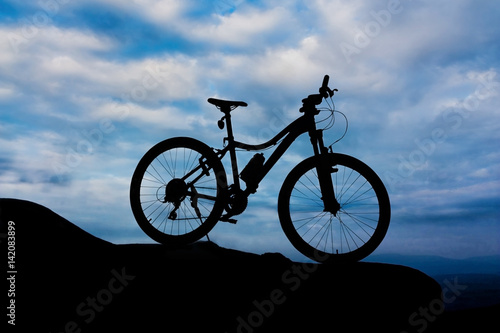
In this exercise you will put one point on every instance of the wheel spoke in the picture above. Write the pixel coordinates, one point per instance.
(347, 233)
(171, 196)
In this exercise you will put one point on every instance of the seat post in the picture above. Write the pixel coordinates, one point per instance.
(227, 115)
(232, 150)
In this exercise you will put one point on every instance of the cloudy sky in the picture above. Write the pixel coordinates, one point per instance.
(87, 87)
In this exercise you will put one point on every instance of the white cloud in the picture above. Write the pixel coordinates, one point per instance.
(163, 117)
(7, 92)
(248, 28)
(54, 60)
(160, 12)
(49, 39)
(60, 65)
(30, 165)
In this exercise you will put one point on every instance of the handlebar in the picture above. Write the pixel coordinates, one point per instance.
(316, 99)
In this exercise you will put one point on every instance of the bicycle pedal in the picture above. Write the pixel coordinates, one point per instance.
(232, 221)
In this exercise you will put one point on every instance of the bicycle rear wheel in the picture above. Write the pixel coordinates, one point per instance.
(358, 227)
(177, 191)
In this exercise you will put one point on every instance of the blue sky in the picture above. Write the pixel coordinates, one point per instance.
(86, 88)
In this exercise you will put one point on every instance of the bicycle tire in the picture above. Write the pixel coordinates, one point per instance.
(355, 231)
(173, 159)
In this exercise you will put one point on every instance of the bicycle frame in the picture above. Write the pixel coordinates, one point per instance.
(289, 134)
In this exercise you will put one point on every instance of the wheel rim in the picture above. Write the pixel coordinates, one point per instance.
(352, 230)
(172, 203)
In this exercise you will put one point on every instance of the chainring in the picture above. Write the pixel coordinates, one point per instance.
(237, 203)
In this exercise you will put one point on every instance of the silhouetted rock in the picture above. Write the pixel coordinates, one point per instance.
(70, 281)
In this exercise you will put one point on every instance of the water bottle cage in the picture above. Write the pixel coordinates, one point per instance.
(252, 170)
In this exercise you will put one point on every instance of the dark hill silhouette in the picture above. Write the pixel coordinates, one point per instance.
(70, 281)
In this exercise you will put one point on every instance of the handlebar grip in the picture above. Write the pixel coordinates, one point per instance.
(325, 82)
(324, 90)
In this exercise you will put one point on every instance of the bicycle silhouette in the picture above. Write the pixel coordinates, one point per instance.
(332, 207)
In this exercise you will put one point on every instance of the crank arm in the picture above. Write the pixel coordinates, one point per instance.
(194, 202)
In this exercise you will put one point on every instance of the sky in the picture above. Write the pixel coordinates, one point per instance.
(87, 87)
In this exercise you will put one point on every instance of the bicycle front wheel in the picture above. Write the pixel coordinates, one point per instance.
(355, 231)
(177, 191)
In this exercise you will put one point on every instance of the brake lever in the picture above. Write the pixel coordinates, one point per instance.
(325, 91)
(329, 92)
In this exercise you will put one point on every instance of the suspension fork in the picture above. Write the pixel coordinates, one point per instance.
(324, 169)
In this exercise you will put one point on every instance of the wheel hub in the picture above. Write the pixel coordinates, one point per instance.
(332, 207)
(175, 190)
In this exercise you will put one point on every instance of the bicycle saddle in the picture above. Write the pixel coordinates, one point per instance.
(223, 104)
